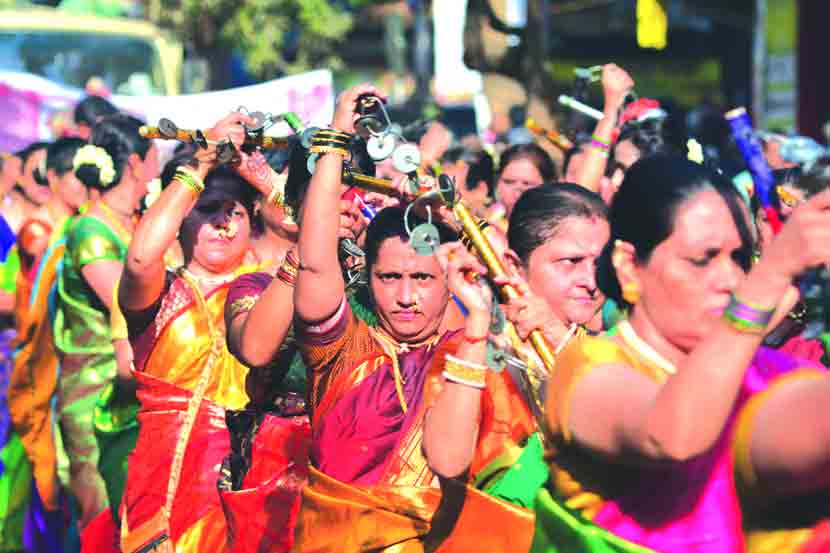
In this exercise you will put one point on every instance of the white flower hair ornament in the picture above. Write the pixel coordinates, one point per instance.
(97, 156)
(695, 151)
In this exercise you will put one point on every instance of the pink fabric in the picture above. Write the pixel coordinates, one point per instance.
(358, 436)
(692, 507)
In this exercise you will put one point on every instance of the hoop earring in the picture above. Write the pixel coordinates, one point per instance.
(631, 292)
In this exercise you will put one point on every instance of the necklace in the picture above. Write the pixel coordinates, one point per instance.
(629, 336)
(397, 348)
(209, 282)
(112, 219)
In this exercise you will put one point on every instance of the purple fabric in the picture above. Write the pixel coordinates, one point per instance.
(692, 507)
(359, 435)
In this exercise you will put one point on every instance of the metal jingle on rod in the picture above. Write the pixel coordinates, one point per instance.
(260, 119)
(446, 189)
(167, 128)
(406, 158)
(380, 147)
(307, 135)
(225, 152)
(200, 139)
(311, 163)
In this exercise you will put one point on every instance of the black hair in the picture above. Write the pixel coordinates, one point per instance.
(168, 173)
(118, 135)
(298, 176)
(389, 223)
(657, 135)
(38, 175)
(539, 212)
(816, 178)
(532, 151)
(480, 163)
(60, 153)
(92, 109)
(239, 188)
(644, 209)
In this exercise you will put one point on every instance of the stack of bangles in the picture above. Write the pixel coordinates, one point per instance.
(464, 372)
(600, 145)
(289, 269)
(746, 317)
(277, 194)
(330, 141)
(190, 179)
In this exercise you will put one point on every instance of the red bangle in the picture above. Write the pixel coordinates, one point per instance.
(474, 339)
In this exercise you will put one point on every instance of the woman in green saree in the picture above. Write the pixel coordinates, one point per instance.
(118, 162)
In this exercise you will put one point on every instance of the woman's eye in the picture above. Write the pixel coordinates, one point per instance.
(700, 262)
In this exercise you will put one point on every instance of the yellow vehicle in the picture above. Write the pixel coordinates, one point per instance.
(132, 57)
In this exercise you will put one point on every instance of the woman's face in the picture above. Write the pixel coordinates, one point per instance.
(216, 234)
(519, 175)
(687, 282)
(563, 269)
(409, 291)
(70, 190)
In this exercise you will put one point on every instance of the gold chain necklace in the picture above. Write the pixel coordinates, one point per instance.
(629, 336)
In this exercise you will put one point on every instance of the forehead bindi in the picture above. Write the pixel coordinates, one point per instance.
(703, 222)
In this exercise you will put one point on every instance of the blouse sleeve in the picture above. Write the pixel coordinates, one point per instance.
(91, 241)
(579, 357)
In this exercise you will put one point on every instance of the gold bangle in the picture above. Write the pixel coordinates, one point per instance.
(190, 179)
(463, 372)
(276, 196)
(321, 150)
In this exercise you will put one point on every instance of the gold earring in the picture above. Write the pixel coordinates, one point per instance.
(631, 292)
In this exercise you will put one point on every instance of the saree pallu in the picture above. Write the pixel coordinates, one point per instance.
(407, 519)
(197, 522)
(186, 380)
(34, 383)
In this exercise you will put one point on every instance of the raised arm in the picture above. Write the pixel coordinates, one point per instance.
(142, 282)
(320, 286)
(451, 424)
(685, 416)
(616, 84)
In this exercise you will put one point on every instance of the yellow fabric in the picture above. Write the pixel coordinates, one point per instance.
(777, 541)
(582, 484)
(33, 383)
(118, 324)
(652, 24)
(180, 350)
(341, 517)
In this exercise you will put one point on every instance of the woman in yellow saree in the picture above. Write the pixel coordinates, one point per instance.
(186, 378)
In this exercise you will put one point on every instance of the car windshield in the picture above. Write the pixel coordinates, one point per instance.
(127, 65)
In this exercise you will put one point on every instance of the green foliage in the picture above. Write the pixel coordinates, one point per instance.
(260, 30)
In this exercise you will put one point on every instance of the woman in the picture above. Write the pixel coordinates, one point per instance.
(185, 375)
(793, 187)
(522, 167)
(695, 325)
(271, 437)
(118, 163)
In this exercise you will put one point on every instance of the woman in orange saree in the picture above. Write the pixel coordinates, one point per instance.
(370, 486)
(186, 377)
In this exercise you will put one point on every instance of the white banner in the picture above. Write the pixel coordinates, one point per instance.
(32, 107)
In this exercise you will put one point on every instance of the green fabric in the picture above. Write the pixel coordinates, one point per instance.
(81, 323)
(15, 493)
(8, 271)
(116, 431)
(611, 314)
(520, 483)
(559, 529)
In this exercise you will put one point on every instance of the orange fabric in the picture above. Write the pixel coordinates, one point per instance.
(33, 383)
